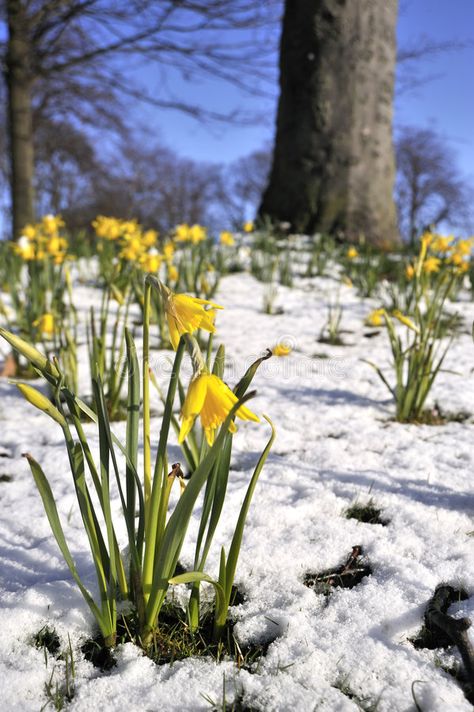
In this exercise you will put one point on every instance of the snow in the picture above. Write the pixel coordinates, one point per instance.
(336, 444)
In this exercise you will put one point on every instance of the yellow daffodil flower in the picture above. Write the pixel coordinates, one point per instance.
(210, 398)
(281, 349)
(431, 264)
(464, 247)
(442, 243)
(409, 272)
(24, 248)
(29, 231)
(197, 233)
(248, 226)
(352, 253)
(186, 314)
(172, 273)
(375, 318)
(456, 259)
(149, 238)
(107, 228)
(227, 238)
(50, 224)
(182, 233)
(45, 324)
(151, 261)
(168, 250)
(405, 320)
(56, 244)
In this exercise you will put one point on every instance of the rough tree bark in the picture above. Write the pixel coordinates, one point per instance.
(333, 164)
(19, 83)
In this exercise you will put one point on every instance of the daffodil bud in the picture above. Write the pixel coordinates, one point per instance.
(35, 357)
(40, 401)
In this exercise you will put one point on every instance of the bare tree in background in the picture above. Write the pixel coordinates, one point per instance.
(241, 185)
(153, 183)
(430, 188)
(71, 59)
(333, 163)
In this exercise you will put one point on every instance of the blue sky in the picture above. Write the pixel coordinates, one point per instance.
(445, 101)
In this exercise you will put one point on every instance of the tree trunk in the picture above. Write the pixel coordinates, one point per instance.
(19, 82)
(333, 165)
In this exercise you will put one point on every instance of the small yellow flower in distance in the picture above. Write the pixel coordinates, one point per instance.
(107, 228)
(405, 320)
(352, 253)
(248, 226)
(151, 261)
(227, 238)
(210, 398)
(45, 324)
(149, 238)
(409, 271)
(168, 250)
(197, 233)
(375, 318)
(431, 264)
(24, 248)
(463, 267)
(172, 273)
(29, 231)
(182, 233)
(56, 244)
(281, 349)
(442, 243)
(464, 247)
(456, 259)
(187, 314)
(59, 258)
(50, 224)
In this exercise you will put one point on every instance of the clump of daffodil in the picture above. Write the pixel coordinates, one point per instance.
(210, 398)
(155, 524)
(190, 233)
(442, 243)
(186, 314)
(281, 349)
(418, 352)
(431, 264)
(42, 241)
(375, 318)
(227, 238)
(107, 228)
(135, 247)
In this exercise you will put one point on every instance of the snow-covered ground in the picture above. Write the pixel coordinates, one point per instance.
(336, 444)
